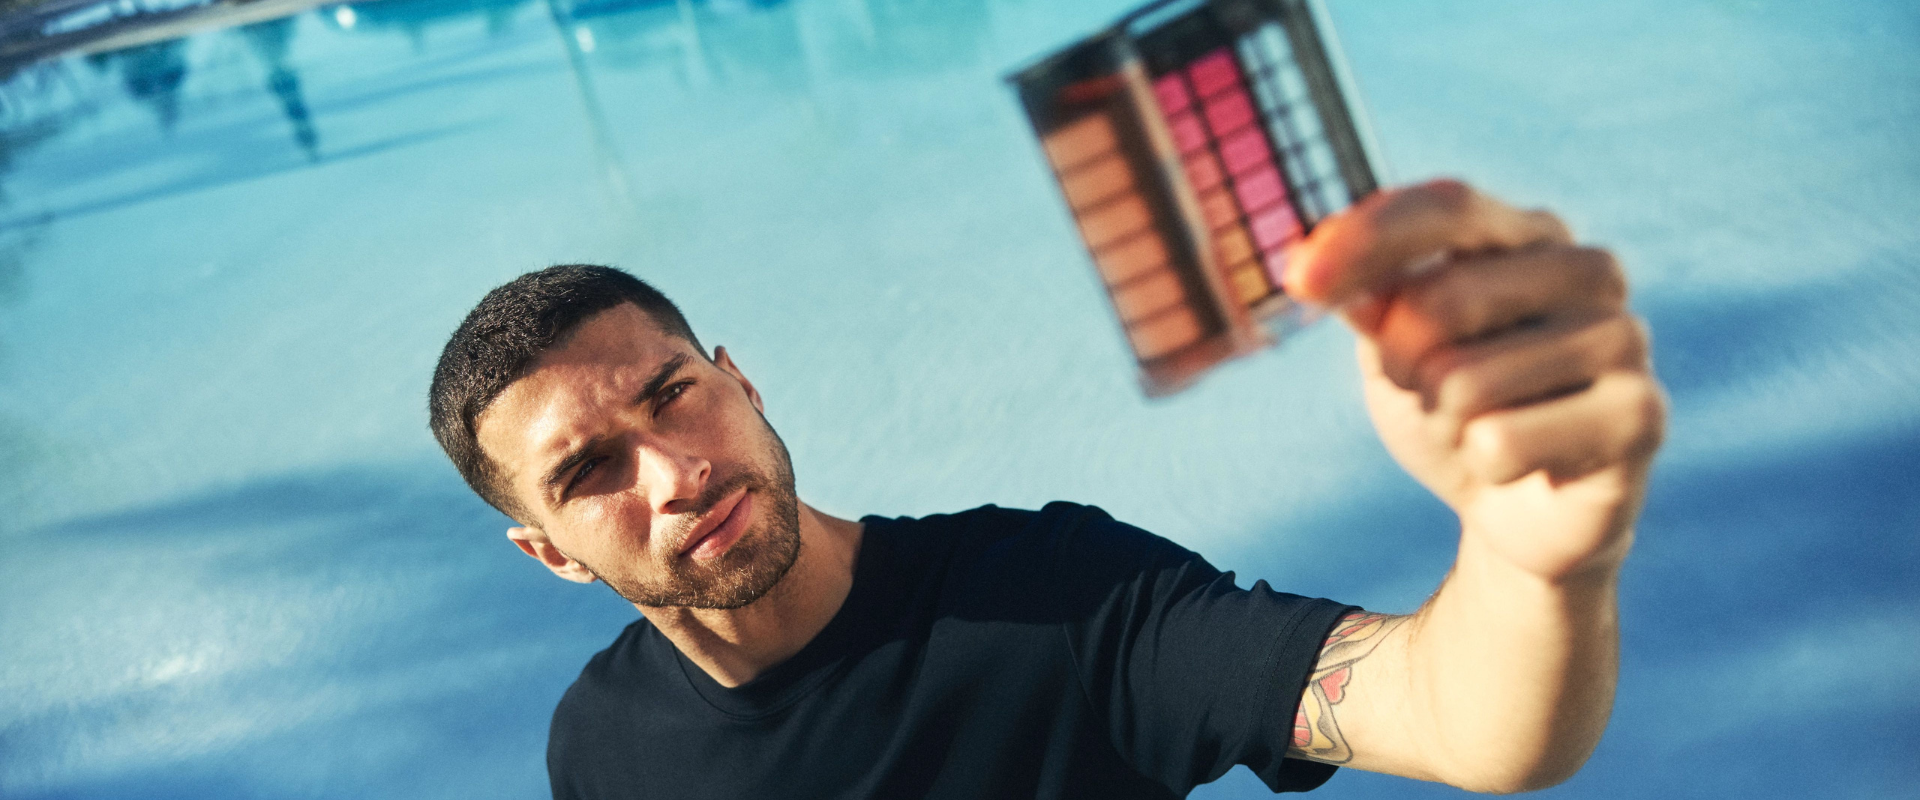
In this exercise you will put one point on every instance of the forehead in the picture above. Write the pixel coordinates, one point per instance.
(569, 390)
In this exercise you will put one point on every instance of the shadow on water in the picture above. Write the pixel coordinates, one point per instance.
(1701, 346)
(1767, 605)
(1704, 350)
(374, 637)
(361, 632)
(1760, 586)
(422, 633)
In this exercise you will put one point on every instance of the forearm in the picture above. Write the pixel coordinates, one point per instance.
(1512, 380)
(1513, 674)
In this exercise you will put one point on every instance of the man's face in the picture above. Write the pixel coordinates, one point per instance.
(637, 461)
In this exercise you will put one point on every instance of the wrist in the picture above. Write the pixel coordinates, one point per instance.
(1488, 557)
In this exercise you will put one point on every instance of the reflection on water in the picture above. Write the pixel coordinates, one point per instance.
(269, 40)
(771, 46)
(152, 74)
(736, 41)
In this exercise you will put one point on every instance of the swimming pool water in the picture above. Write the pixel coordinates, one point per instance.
(238, 567)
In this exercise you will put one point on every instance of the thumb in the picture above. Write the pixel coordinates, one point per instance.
(1309, 277)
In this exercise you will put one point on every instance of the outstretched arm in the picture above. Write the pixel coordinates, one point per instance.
(1505, 373)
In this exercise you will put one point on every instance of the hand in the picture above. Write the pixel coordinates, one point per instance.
(1502, 368)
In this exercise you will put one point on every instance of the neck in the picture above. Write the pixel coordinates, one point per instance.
(736, 645)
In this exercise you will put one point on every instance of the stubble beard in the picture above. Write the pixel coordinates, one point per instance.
(751, 567)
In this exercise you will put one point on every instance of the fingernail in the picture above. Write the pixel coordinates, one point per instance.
(1293, 280)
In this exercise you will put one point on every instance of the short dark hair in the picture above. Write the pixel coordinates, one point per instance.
(502, 337)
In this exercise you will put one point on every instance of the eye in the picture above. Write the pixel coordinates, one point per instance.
(672, 393)
(580, 475)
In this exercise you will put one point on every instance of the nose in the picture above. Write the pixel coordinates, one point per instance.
(672, 480)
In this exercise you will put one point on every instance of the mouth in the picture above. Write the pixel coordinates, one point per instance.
(720, 528)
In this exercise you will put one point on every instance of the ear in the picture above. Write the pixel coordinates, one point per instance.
(534, 543)
(724, 361)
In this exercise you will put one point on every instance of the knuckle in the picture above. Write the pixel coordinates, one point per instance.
(1634, 344)
(1400, 371)
(1555, 227)
(1392, 361)
(1489, 442)
(1644, 334)
(1474, 296)
(1620, 343)
(1489, 437)
(1643, 415)
(1446, 301)
(1609, 338)
(1407, 334)
(1448, 194)
(1601, 273)
(1652, 409)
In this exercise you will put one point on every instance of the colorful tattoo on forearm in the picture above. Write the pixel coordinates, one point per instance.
(1316, 734)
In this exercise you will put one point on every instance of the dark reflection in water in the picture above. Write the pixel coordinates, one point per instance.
(152, 74)
(269, 40)
(436, 696)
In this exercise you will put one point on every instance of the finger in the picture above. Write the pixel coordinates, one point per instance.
(1478, 298)
(1620, 418)
(1524, 368)
(1368, 247)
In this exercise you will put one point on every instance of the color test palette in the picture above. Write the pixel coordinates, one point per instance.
(1195, 141)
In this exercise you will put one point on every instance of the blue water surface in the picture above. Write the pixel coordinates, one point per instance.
(237, 566)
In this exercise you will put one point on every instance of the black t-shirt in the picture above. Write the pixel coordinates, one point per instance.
(987, 654)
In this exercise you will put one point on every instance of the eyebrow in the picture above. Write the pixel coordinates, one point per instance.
(653, 386)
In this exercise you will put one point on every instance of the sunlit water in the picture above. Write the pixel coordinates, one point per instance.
(236, 566)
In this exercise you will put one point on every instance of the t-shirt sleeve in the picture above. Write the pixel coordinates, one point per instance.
(1190, 673)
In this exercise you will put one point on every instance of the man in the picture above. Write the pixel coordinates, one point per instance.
(996, 653)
